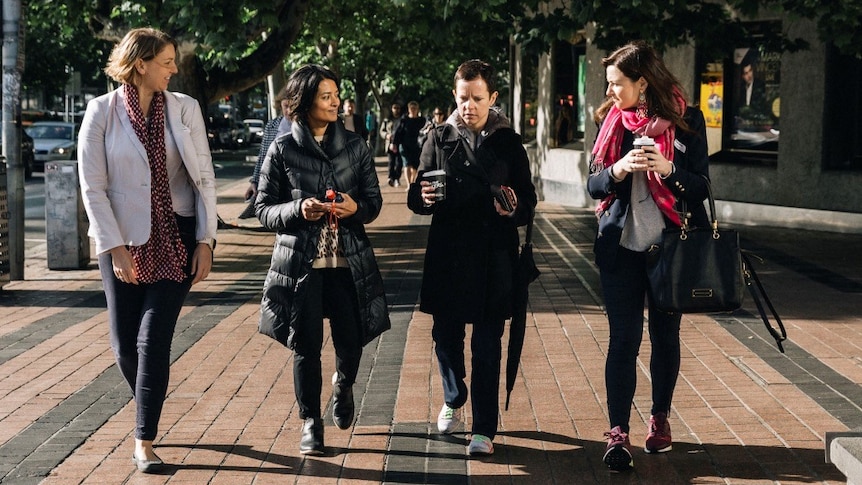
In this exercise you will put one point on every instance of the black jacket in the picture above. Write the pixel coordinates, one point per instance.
(297, 167)
(687, 183)
(472, 250)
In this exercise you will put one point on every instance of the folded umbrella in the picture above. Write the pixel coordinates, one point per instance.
(527, 272)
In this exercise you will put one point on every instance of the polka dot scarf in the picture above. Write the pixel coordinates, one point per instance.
(163, 257)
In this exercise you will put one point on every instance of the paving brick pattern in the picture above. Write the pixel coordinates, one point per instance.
(743, 413)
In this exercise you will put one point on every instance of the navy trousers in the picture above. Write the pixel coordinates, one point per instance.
(625, 288)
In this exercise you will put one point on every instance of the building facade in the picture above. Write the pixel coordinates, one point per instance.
(784, 136)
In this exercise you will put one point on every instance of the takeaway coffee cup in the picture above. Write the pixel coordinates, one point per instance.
(437, 178)
(643, 141)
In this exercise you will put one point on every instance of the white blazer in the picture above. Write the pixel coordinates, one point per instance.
(115, 171)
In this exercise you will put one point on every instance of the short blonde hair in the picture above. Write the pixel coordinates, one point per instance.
(143, 43)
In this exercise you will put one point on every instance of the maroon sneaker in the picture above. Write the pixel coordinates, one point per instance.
(658, 440)
(618, 455)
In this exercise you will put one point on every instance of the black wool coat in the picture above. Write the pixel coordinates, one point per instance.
(296, 167)
(472, 251)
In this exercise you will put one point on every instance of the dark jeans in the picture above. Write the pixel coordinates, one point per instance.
(330, 293)
(142, 319)
(486, 352)
(396, 167)
(625, 288)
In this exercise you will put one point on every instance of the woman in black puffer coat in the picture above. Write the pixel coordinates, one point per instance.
(317, 189)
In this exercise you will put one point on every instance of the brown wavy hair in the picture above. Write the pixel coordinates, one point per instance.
(638, 59)
(143, 43)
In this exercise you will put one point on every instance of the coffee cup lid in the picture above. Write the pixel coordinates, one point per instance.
(644, 140)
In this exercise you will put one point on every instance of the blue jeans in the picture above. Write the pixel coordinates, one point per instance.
(486, 352)
(624, 288)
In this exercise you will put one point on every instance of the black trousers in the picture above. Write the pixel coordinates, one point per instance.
(396, 166)
(330, 294)
(142, 319)
(486, 350)
(624, 291)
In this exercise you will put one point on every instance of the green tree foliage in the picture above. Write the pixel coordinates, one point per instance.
(715, 26)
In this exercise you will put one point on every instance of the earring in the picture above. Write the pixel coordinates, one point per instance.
(642, 106)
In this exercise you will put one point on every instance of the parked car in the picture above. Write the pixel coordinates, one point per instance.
(53, 140)
(26, 153)
(255, 126)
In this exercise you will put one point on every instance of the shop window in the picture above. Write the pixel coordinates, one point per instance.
(570, 93)
(530, 97)
(740, 99)
(842, 135)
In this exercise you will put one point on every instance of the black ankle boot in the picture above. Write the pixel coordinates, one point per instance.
(311, 442)
(342, 406)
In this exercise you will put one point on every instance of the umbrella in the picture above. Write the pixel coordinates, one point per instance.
(526, 273)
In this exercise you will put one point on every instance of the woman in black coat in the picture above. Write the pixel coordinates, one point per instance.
(317, 189)
(472, 245)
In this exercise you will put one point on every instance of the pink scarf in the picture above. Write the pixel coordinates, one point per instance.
(608, 146)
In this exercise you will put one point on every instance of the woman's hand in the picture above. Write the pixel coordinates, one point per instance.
(428, 193)
(346, 208)
(647, 159)
(313, 209)
(202, 262)
(124, 265)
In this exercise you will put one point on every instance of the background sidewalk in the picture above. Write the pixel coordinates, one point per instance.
(743, 412)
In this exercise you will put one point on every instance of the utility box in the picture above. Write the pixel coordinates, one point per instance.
(4, 226)
(65, 220)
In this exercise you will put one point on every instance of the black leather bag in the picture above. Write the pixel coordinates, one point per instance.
(697, 270)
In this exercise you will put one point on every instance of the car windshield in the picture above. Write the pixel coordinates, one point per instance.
(50, 132)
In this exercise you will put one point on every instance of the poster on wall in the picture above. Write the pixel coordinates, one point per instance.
(755, 104)
(712, 99)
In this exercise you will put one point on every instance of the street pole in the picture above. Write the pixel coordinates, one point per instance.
(13, 66)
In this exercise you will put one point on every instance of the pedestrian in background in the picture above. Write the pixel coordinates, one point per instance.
(388, 128)
(639, 192)
(273, 129)
(318, 188)
(473, 245)
(407, 139)
(354, 121)
(148, 187)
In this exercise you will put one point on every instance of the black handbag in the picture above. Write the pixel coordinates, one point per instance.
(697, 269)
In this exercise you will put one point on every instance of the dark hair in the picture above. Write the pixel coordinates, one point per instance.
(302, 88)
(474, 69)
(638, 59)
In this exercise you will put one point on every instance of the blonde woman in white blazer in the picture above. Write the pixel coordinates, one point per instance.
(149, 191)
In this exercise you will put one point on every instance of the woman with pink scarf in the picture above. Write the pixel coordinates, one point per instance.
(639, 192)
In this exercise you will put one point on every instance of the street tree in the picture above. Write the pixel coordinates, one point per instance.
(224, 47)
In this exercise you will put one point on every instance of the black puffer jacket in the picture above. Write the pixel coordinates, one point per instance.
(472, 251)
(297, 167)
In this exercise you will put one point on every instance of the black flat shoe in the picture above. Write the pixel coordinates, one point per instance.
(148, 466)
(311, 442)
(342, 406)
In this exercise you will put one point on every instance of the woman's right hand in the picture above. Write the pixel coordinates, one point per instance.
(124, 265)
(427, 192)
(313, 209)
(634, 161)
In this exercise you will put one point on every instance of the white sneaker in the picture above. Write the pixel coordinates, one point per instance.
(480, 445)
(448, 419)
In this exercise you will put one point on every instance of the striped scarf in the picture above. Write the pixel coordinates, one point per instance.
(163, 256)
(608, 146)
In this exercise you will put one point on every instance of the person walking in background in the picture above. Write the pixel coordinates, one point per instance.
(371, 127)
(273, 129)
(148, 187)
(473, 244)
(318, 188)
(388, 128)
(407, 138)
(438, 118)
(639, 192)
(354, 121)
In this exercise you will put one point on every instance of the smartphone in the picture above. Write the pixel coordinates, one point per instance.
(505, 196)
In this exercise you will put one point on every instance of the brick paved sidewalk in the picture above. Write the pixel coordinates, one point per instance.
(743, 413)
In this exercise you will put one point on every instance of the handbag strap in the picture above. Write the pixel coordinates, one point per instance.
(757, 292)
